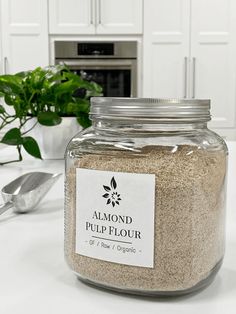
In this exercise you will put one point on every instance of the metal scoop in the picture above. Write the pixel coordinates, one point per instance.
(25, 192)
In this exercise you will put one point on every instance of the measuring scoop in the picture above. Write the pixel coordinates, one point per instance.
(24, 193)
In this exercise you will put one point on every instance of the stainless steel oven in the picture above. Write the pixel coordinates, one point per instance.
(113, 65)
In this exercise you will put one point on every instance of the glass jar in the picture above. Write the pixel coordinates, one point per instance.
(145, 197)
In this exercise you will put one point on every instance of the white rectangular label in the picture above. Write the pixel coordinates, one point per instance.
(115, 216)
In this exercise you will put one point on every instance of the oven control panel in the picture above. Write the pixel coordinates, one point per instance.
(95, 49)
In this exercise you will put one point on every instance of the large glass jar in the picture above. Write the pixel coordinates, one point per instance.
(145, 197)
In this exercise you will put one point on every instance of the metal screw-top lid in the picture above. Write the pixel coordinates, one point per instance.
(150, 109)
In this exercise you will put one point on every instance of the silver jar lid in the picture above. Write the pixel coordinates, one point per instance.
(151, 108)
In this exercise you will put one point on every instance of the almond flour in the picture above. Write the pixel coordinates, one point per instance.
(189, 218)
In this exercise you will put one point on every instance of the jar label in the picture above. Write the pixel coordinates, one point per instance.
(115, 216)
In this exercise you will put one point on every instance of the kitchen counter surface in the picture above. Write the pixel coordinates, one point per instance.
(35, 279)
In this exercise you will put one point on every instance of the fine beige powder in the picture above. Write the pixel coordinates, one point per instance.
(189, 217)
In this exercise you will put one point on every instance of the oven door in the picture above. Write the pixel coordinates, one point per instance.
(118, 77)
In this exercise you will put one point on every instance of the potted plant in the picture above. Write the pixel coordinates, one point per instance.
(42, 98)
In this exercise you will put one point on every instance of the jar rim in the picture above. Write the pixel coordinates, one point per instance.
(150, 108)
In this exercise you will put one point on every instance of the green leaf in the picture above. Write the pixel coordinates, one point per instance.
(67, 87)
(22, 74)
(2, 109)
(12, 137)
(80, 105)
(96, 88)
(49, 118)
(83, 120)
(31, 146)
(83, 105)
(10, 84)
(9, 100)
(37, 78)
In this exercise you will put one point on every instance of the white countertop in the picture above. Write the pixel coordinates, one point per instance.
(35, 279)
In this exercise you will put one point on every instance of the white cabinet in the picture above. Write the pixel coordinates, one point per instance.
(189, 51)
(213, 51)
(119, 17)
(95, 16)
(71, 16)
(24, 30)
(165, 48)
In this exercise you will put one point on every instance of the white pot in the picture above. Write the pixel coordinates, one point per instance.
(52, 140)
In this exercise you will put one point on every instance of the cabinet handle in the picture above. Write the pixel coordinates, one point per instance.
(194, 77)
(185, 76)
(5, 65)
(99, 12)
(91, 12)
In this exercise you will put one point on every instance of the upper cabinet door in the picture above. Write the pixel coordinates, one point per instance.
(72, 16)
(95, 16)
(119, 16)
(166, 48)
(24, 34)
(213, 52)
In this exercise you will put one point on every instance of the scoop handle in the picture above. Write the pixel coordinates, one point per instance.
(5, 207)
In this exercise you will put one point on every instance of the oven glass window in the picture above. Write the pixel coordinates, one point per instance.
(115, 83)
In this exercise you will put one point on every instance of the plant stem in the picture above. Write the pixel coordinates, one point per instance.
(5, 122)
(16, 160)
(31, 106)
(24, 122)
(23, 133)
(9, 162)
(19, 152)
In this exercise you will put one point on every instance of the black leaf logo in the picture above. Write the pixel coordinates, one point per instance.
(113, 183)
(113, 197)
(106, 188)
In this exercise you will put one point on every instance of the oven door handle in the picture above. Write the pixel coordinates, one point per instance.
(98, 63)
